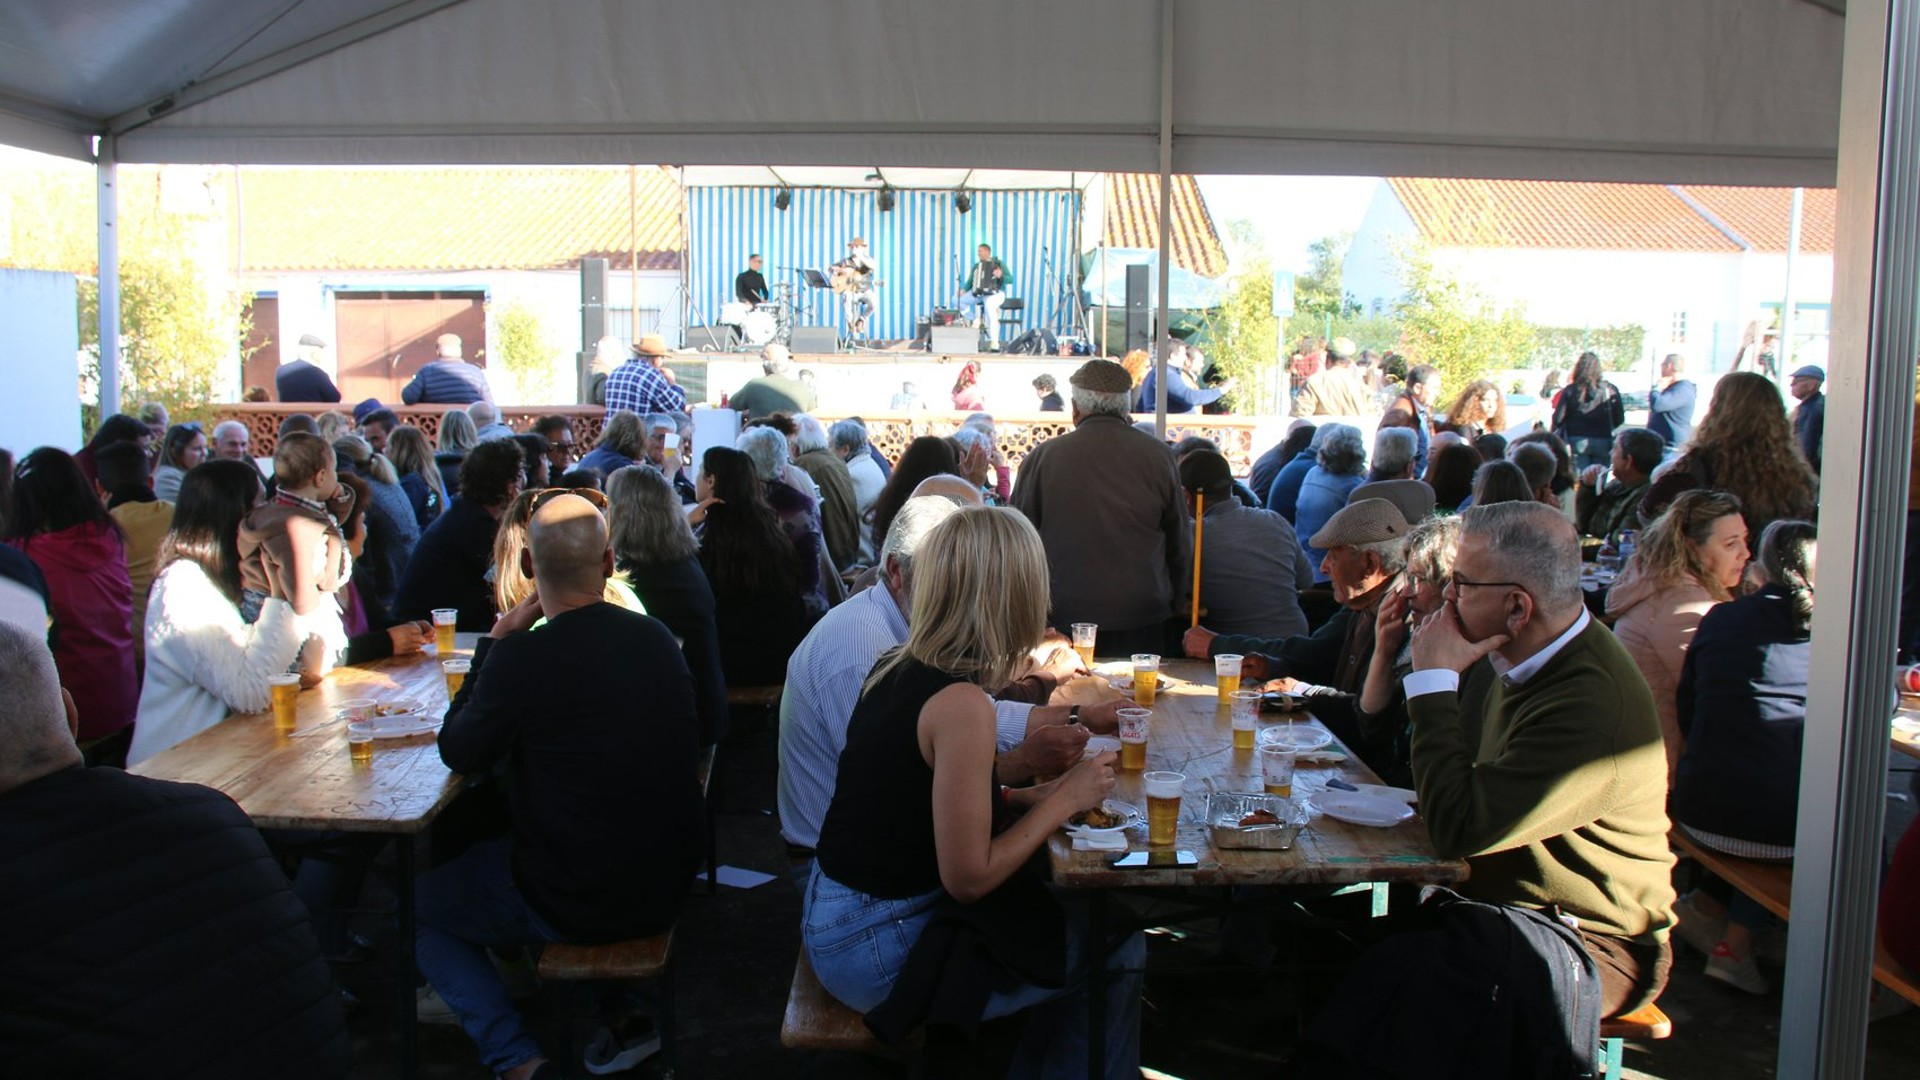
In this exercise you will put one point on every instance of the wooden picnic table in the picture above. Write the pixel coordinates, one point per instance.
(306, 780)
(1192, 733)
(1907, 742)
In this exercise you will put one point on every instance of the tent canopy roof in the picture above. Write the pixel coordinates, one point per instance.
(1714, 91)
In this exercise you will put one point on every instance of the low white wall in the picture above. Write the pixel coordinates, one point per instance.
(40, 359)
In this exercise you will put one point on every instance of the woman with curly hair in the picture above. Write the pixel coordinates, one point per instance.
(1587, 412)
(1744, 447)
(1480, 408)
(1688, 560)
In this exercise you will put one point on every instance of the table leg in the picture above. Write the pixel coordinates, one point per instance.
(403, 912)
(1096, 956)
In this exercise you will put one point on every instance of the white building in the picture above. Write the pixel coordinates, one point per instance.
(1693, 266)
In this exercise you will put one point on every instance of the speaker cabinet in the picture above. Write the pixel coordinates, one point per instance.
(814, 339)
(710, 338)
(955, 339)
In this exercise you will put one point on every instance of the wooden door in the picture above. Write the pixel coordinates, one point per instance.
(387, 336)
(261, 345)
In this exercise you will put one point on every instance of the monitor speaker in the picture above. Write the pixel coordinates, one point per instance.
(710, 338)
(1139, 317)
(814, 339)
(955, 339)
(593, 317)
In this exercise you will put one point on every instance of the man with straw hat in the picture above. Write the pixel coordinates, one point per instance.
(639, 386)
(1107, 504)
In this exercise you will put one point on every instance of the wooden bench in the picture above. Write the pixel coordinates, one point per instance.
(816, 1021)
(1771, 885)
(636, 960)
(1643, 1023)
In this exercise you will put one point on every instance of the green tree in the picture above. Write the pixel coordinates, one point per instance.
(1318, 294)
(520, 345)
(1240, 334)
(1452, 325)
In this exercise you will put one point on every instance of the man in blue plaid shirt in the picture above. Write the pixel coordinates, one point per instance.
(640, 386)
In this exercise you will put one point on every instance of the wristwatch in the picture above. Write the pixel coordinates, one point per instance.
(1073, 715)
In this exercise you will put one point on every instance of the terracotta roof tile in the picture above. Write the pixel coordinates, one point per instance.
(1133, 221)
(456, 218)
(1553, 214)
(1760, 215)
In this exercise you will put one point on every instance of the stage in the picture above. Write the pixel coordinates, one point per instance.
(865, 381)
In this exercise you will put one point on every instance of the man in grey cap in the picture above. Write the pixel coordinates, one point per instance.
(300, 379)
(1365, 546)
(1810, 418)
(1108, 507)
(1335, 390)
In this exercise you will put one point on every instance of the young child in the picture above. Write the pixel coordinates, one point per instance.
(295, 539)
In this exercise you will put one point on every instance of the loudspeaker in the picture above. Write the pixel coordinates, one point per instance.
(593, 316)
(1139, 318)
(710, 338)
(814, 339)
(955, 339)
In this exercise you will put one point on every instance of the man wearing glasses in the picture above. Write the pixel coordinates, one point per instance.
(1560, 808)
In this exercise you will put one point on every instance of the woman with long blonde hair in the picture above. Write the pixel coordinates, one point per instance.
(511, 582)
(1688, 560)
(1744, 447)
(910, 835)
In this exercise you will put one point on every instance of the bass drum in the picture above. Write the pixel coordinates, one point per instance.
(759, 327)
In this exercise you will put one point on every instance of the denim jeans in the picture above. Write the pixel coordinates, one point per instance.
(462, 908)
(858, 944)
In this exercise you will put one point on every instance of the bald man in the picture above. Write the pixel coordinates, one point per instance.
(607, 820)
(957, 488)
(147, 922)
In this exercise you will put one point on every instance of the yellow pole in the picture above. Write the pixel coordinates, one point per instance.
(1199, 524)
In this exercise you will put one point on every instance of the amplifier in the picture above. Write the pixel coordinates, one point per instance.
(814, 339)
(945, 316)
(955, 339)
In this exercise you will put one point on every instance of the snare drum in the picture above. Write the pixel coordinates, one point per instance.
(734, 313)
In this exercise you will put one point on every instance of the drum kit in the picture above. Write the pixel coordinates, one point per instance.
(764, 323)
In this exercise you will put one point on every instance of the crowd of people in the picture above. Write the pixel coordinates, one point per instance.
(1424, 591)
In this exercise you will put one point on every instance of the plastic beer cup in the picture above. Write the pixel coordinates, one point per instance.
(1163, 806)
(1276, 769)
(1226, 671)
(286, 691)
(1083, 637)
(1146, 676)
(443, 623)
(1246, 711)
(1133, 738)
(456, 672)
(360, 742)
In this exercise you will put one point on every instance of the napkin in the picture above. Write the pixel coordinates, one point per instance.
(1099, 842)
(1322, 757)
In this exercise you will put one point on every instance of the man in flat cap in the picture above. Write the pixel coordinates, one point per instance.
(1108, 507)
(1252, 567)
(1365, 546)
(300, 379)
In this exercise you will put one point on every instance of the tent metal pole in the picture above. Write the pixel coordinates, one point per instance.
(1863, 513)
(107, 233)
(1786, 291)
(1163, 338)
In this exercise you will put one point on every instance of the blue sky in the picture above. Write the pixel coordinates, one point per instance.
(1291, 212)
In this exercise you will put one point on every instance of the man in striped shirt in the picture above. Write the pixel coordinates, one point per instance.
(825, 674)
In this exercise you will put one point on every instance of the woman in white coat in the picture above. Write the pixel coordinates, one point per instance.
(203, 660)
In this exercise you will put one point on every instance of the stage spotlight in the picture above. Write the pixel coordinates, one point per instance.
(886, 200)
(784, 199)
(962, 201)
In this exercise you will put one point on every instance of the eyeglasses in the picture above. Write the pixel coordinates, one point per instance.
(597, 498)
(1457, 583)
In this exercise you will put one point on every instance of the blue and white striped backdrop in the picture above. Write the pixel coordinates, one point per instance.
(922, 246)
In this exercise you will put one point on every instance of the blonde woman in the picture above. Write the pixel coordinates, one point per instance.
(909, 838)
(418, 475)
(1688, 560)
(512, 583)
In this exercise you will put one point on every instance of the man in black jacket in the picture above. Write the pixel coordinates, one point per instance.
(606, 811)
(300, 379)
(144, 928)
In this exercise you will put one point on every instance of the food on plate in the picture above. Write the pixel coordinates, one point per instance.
(1260, 817)
(1097, 818)
(392, 710)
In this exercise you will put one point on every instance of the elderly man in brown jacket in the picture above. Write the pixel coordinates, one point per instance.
(1109, 509)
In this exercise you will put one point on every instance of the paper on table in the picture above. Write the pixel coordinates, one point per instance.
(734, 877)
(1099, 842)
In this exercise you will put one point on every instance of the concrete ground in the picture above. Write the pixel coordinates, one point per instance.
(734, 953)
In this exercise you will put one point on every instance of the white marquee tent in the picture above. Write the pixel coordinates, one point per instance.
(1774, 92)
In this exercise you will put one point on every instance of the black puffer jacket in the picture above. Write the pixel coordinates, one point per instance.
(145, 931)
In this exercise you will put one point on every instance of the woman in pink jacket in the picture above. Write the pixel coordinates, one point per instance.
(57, 520)
(1689, 559)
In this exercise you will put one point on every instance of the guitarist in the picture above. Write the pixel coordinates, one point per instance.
(853, 280)
(984, 287)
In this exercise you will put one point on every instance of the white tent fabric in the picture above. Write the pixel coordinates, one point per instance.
(1724, 91)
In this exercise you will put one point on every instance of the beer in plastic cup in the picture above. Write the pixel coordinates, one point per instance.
(1163, 806)
(360, 742)
(1246, 711)
(1133, 738)
(456, 672)
(1146, 676)
(1226, 671)
(1276, 768)
(1083, 636)
(286, 692)
(443, 622)
(355, 709)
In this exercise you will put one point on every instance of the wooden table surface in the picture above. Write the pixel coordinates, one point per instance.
(1907, 742)
(1191, 733)
(307, 781)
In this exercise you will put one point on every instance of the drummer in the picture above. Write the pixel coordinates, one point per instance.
(749, 287)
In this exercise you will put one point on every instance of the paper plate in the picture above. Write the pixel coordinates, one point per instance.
(401, 727)
(1382, 791)
(1300, 738)
(1355, 809)
(1908, 724)
(1129, 814)
(1100, 744)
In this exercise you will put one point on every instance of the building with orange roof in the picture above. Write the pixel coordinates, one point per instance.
(1692, 265)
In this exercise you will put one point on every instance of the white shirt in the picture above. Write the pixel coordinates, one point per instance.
(1439, 680)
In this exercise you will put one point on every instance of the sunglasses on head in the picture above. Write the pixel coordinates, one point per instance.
(597, 498)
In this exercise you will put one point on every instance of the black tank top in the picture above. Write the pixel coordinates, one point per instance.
(878, 833)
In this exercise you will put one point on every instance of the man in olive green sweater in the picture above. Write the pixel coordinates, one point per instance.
(1562, 805)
